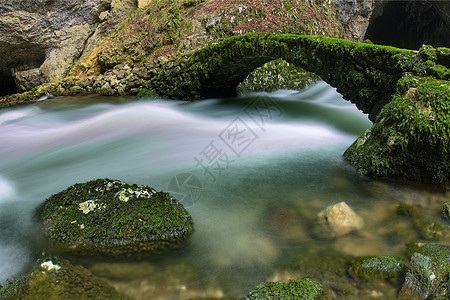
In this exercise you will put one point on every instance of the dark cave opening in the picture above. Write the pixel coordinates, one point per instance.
(7, 84)
(17, 59)
(410, 24)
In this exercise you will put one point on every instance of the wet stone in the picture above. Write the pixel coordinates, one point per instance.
(106, 216)
(427, 275)
(339, 220)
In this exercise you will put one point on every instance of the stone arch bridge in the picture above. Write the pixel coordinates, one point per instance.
(405, 93)
(366, 74)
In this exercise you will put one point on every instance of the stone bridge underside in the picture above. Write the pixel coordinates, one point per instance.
(405, 93)
(365, 74)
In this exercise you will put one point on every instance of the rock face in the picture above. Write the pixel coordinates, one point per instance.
(41, 39)
(112, 217)
(340, 219)
(354, 16)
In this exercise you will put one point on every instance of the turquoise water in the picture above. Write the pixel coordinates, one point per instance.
(253, 171)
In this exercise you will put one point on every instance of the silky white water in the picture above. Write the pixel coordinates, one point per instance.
(235, 163)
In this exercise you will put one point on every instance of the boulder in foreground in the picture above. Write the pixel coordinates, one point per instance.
(106, 216)
(58, 279)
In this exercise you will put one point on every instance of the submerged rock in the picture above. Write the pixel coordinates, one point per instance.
(112, 217)
(294, 289)
(432, 230)
(370, 268)
(340, 219)
(446, 211)
(58, 279)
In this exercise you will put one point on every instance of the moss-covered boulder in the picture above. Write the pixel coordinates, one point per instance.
(383, 267)
(106, 216)
(411, 136)
(294, 289)
(57, 279)
(428, 273)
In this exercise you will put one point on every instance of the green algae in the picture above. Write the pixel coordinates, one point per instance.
(404, 209)
(383, 267)
(432, 230)
(306, 289)
(109, 216)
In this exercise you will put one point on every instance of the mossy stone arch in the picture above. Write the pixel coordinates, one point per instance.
(405, 93)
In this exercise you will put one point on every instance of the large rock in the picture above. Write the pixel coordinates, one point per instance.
(340, 219)
(112, 217)
(354, 16)
(46, 37)
(427, 276)
(409, 139)
(58, 279)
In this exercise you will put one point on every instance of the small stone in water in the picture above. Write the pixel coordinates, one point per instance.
(340, 219)
(49, 266)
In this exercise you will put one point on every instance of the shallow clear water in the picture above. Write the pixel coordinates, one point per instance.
(253, 171)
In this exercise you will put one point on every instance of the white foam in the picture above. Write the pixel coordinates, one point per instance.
(15, 115)
(149, 120)
(6, 190)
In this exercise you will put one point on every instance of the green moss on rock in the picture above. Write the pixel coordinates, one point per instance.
(57, 279)
(411, 138)
(383, 267)
(446, 211)
(443, 56)
(428, 275)
(432, 230)
(306, 289)
(112, 217)
(146, 93)
(407, 210)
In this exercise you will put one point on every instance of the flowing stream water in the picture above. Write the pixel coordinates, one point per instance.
(253, 171)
